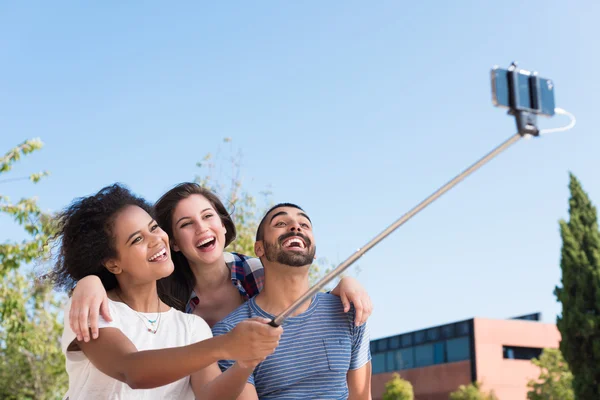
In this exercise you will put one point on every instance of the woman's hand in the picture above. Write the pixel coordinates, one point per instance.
(350, 291)
(251, 341)
(89, 299)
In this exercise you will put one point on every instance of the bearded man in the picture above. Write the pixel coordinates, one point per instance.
(322, 353)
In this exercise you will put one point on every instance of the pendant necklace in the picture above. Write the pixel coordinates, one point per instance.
(154, 323)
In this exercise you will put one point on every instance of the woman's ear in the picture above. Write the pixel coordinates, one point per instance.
(113, 266)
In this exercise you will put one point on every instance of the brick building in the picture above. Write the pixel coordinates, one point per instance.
(438, 360)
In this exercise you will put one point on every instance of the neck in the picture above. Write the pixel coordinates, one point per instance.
(210, 276)
(283, 286)
(142, 298)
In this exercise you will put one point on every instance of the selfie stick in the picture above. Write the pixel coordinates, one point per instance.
(278, 320)
(526, 125)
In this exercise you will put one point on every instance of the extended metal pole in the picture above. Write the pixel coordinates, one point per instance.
(278, 320)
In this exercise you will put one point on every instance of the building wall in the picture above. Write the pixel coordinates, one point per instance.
(508, 378)
(435, 382)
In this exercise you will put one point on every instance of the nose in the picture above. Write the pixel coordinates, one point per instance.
(200, 227)
(295, 227)
(156, 240)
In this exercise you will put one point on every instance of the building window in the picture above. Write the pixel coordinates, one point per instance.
(424, 355)
(373, 347)
(530, 317)
(439, 352)
(405, 358)
(382, 345)
(520, 353)
(463, 328)
(390, 363)
(419, 337)
(394, 342)
(458, 349)
(378, 363)
(447, 331)
(406, 340)
(433, 334)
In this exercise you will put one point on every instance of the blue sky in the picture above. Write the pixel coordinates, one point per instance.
(355, 110)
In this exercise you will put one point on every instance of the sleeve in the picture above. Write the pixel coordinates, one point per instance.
(361, 345)
(199, 328)
(255, 276)
(222, 328)
(248, 270)
(69, 336)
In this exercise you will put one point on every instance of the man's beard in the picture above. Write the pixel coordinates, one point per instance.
(275, 253)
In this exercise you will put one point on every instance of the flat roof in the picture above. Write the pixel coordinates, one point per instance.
(449, 330)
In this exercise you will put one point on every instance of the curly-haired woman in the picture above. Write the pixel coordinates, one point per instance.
(149, 350)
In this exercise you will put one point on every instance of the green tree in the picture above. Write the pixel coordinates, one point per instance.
(26, 213)
(555, 380)
(31, 361)
(579, 323)
(221, 173)
(472, 391)
(223, 177)
(398, 389)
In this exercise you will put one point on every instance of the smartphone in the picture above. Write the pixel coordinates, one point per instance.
(522, 91)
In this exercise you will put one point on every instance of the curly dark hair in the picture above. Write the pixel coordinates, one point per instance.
(85, 236)
(181, 282)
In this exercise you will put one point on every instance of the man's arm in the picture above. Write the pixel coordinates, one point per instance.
(210, 383)
(359, 383)
(233, 371)
(359, 374)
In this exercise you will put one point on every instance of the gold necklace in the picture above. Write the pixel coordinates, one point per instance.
(144, 318)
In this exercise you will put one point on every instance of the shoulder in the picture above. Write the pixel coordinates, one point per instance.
(331, 307)
(117, 310)
(330, 301)
(68, 336)
(247, 263)
(196, 325)
(238, 315)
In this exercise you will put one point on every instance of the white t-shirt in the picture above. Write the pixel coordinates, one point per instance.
(176, 329)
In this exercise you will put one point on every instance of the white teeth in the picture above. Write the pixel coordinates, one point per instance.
(163, 252)
(288, 243)
(205, 241)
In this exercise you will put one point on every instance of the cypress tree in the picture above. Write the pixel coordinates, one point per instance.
(579, 323)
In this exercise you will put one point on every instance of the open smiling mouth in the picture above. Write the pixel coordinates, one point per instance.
(294, 242)
(160, 256)
(207, 243)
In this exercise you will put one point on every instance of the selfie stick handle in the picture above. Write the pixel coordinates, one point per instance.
(278, 320)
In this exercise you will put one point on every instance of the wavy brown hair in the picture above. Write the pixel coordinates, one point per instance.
(181, 282)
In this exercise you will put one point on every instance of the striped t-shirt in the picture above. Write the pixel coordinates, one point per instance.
(316, 351)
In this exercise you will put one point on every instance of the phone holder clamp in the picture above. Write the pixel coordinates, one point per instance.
(526, 119)
(526, 122)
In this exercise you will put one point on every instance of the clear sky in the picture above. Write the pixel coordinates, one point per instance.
(355, 110)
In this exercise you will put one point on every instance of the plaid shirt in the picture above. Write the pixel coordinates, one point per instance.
(247, 275)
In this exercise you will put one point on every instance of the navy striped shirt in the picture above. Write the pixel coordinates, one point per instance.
(316, 351)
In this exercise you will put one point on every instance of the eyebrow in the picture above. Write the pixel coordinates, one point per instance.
(182, 218)
(285, 213)
(137, 232)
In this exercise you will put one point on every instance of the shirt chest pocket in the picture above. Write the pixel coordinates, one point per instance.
(338, 352)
